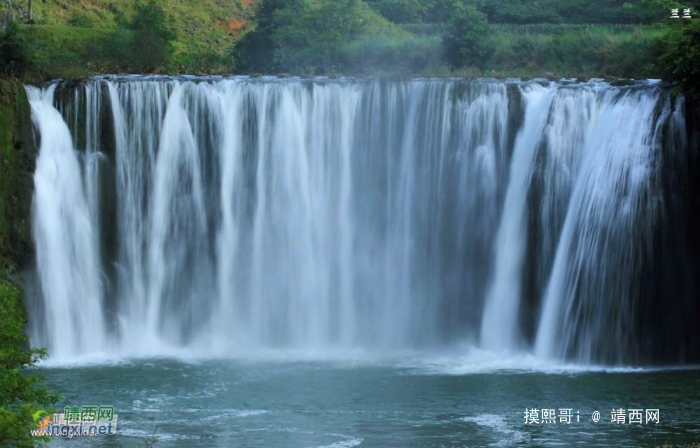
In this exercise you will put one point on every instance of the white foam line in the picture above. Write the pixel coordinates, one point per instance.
(498, 425)
(348, 443)
(465, 361)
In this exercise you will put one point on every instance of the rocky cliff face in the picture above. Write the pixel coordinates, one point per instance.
(17, 156)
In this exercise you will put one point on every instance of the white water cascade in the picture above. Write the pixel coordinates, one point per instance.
(228, 215)
(616, 200)
(64, 232)
(499, 326)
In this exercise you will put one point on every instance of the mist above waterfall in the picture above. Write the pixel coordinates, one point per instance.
(319, 215)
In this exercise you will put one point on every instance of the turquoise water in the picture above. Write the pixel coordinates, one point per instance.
(404, 403)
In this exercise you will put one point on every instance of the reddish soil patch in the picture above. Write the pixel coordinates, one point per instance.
(233, 25)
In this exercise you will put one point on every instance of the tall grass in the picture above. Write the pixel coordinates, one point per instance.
(565, 50)
(577, 50)
(61, 51)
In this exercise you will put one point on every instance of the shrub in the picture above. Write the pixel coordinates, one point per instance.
(144, 47)
(256, 51)
(21, 395)
(305, 36)
(680, 59)
(151, 47)
(13, 52)
(465, 41)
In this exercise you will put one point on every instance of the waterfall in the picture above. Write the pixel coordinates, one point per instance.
(499, 326)
(224, 215)
(64, 233)
(608, 230)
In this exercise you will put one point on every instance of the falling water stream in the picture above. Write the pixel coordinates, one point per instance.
(229, 215)
(356, 262)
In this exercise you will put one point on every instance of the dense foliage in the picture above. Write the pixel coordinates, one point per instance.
(21, 395)
(680, 60)
(144, 46)
(307, 36)
(152, 37)
(13, 52)
(465, 39)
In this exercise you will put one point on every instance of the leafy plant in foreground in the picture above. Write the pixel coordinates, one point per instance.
(21, 395)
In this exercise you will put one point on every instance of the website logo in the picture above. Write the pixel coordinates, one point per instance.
(76, 421)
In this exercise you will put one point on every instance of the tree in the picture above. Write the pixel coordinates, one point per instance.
(151, 47)
(311, 41)
(465, 42)
(13, 52)
(21, 395)
(299, 35)
(680, 59)
(256, 51)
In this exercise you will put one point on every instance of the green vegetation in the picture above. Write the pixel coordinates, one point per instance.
(13, 52)
(465, 39)
(309, 36)
(529, 12)
(77, 38)
(56, 51)
(558, 38)
(680, 59)
(580, 11)
(416, 11)
(400, 11)
(21, 395)
(461, 37)
(145, 46)
(16, 160)
(610, 51)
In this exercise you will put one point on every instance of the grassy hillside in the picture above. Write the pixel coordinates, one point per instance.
(77, 38)
(65, 33)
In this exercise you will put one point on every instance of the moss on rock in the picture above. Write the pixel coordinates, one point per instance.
(17, 158)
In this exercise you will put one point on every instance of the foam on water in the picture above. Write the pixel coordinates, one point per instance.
(349, 442)
(463, 360)
(497, 423)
